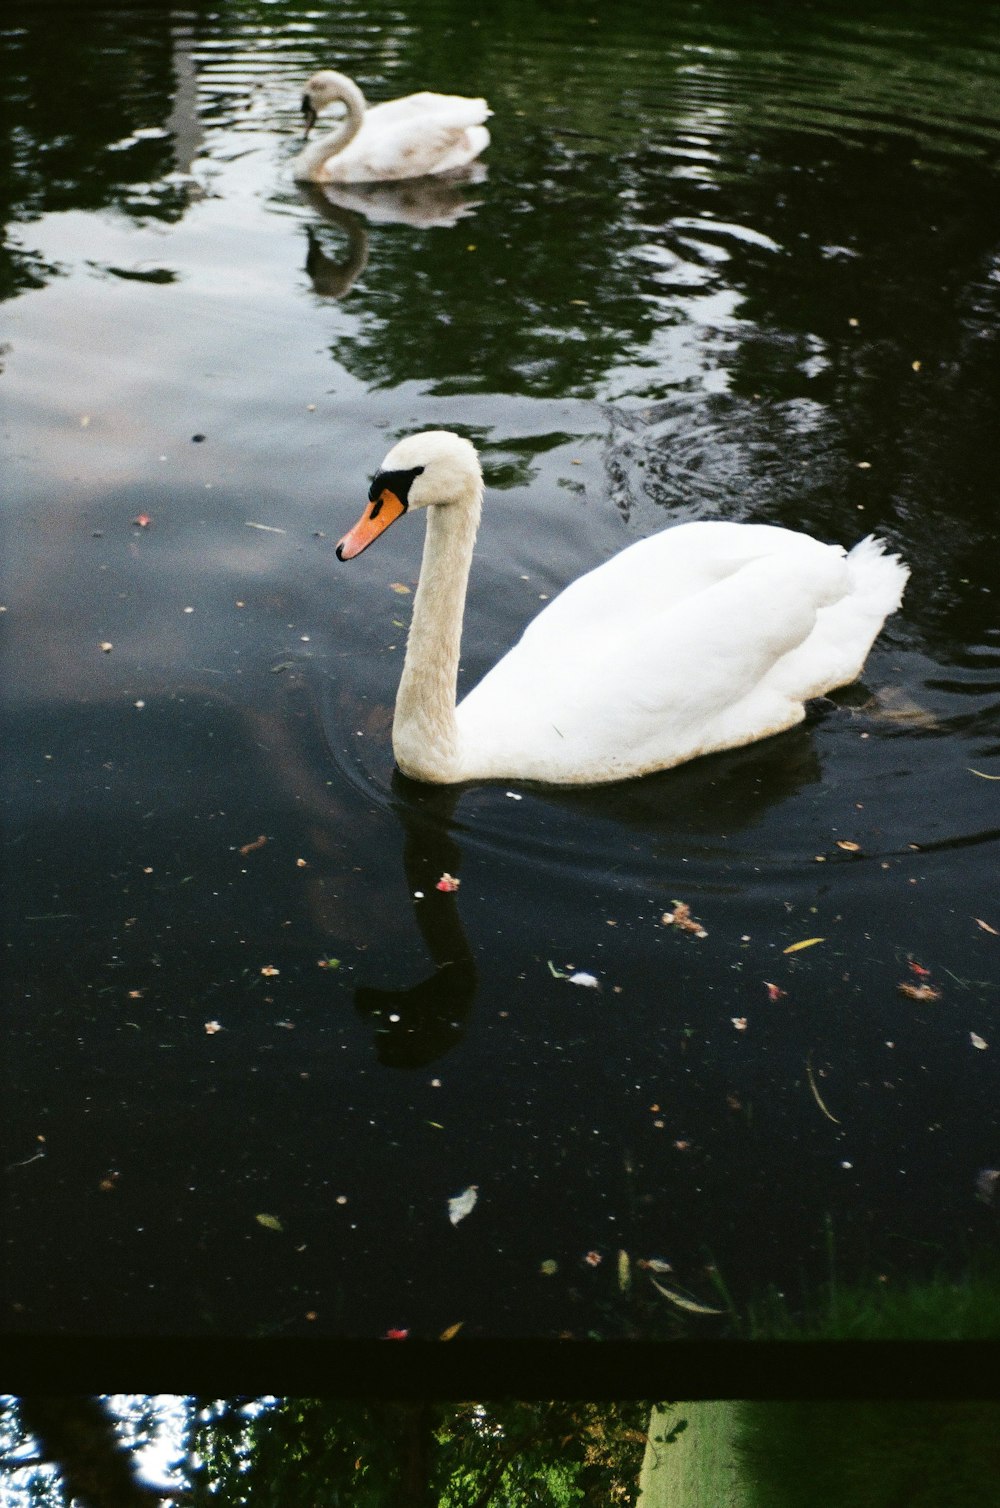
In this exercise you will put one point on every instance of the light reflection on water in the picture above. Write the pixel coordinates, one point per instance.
(711, 266)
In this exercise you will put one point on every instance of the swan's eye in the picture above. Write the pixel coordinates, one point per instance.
(398, 483)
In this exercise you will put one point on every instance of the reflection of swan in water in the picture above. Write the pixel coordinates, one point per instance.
(703, 637)
(416, 1025)
(403, 138)
(678, 815)
(637, 824)
(330, 277)
(423, 203)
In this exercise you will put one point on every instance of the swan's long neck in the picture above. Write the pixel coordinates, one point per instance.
(424, 730)
(311, 160)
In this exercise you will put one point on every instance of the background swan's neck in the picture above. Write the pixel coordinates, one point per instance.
(311, 159)
(424, 730)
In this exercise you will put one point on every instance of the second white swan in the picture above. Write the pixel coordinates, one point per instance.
(412, 137)
(705, 636)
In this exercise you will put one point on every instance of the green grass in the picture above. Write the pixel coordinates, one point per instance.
(868, 1455)
(699, 1467)
(755, 1454)
(934, 1308)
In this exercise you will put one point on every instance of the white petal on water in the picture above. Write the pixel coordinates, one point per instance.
(463, 1203)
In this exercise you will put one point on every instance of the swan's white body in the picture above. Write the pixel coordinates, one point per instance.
(413, 137)
(703, 637)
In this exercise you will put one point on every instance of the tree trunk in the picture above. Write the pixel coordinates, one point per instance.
(416, 1421)
(77, 1436)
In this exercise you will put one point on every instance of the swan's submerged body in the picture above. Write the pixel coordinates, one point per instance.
(706, 636)
(414, 137)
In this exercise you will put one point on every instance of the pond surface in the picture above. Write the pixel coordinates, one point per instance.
(718, 263)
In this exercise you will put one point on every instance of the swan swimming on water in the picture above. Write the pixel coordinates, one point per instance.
(705, 636)
(412, 137)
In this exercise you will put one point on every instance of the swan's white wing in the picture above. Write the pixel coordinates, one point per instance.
(405, 148)
(606, 684)
(654, 574)
(449, 109)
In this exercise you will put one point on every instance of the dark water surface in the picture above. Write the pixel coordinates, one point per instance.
(722, 262)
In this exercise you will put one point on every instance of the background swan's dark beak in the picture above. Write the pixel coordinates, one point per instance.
(309, 114)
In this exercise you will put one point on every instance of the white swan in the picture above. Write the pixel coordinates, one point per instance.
(705, 636)
(411, 137)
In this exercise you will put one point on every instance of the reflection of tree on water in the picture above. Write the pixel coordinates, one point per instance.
(89, 138)
(413, 1026)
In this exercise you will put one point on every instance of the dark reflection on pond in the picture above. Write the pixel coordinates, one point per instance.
(716, 263)
(330, 277)
(417, 1025)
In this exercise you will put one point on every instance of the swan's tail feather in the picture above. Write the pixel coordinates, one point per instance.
(835, 652)
(877, 579)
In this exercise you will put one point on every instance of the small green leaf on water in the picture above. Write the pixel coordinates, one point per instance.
(816, 1093)
(436, 1124)
(807, 942)
(556, 973)
(269, 1222)
(549, 1268)
(624, 1272)
(982, 774)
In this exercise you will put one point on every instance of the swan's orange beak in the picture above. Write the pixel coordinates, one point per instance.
(380, 513)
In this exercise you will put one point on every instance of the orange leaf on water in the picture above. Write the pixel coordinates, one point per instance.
(918, 991)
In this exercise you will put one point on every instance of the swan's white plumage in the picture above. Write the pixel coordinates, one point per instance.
(413, 137)
(703, 637)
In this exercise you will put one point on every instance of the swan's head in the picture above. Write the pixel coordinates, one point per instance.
(322, 89)
(430, 469)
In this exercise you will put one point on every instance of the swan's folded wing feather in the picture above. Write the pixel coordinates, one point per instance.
(645, 691)
(407, 149)
(655, 574)
(450, 109)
